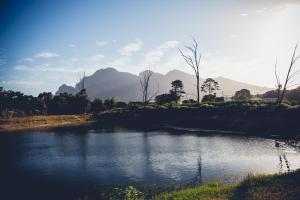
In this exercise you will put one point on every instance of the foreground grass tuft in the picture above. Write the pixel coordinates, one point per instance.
(263, 187)
(212, 190)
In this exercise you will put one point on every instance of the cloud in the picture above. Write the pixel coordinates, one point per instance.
(244, 14)
(72, 45)
(2, 62)
(95, 58)
(22, 68)
(120, 62)
(156, 55)
(101, 43)
(261, 10)
(234, 35)
(131, 48)
(28, 59)
(46, 54)
(23, 82)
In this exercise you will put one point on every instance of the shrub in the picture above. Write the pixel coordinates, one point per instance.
(109, 103)
(97, 106)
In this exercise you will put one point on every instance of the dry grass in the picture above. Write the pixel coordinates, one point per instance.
(42, 122)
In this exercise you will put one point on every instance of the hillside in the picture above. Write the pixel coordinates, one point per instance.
(108, 82)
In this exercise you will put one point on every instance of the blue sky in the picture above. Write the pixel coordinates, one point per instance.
(44, 44)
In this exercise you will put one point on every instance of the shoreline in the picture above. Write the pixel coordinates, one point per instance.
(43, 122)
(260, 187)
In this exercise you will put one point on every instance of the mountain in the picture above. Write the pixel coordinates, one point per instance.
(124, 86)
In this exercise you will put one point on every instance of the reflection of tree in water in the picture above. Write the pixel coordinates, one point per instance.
(282, 158)
(197, 180)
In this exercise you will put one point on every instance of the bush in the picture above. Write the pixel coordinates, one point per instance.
(209, 98)
(109, 103)
(121, 104)
(97, 106)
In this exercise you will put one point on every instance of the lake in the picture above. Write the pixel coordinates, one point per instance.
(71, 164)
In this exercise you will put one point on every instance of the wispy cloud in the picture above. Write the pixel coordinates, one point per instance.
(23, 82)
(72, 45)
(234, 35)
(2, 62)
(46, 54)
(131, 48)
(261, 10)
(95, 58)
(156, 54)
(28, 59)
(244, 14)
(101, 43)
(22, 68)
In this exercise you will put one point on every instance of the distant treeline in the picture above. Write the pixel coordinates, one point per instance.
(17, 104)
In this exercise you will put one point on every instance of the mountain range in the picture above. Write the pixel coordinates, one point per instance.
(124, 86)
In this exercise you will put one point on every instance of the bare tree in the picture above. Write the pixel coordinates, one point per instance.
(193, 59)
(290, 77)
(145, 84)
(278, 84)
(81, 81)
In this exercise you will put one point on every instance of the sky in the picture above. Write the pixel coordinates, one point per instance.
(46, 43)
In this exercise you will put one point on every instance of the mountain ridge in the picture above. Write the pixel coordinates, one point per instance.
(124, 86)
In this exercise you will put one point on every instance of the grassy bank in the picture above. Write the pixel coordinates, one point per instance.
(267, 187)
(43, 122)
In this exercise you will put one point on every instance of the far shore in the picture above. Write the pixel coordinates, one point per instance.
(43, 122)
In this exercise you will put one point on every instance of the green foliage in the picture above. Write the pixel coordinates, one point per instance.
(210, 86)
(121, 104)
(210, 191)
(109, 103)
(278, 186)
(97, 106)
(177, 90)
(242, 95)
(166, 98)
(189, 101)
(209, 98)
(129, 193)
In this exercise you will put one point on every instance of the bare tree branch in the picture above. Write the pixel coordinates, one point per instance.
(193, 59)
(288, 76)
(145, 83)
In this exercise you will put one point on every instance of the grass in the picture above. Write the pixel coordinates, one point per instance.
(43, 122)
(209, 191)
(263, 187)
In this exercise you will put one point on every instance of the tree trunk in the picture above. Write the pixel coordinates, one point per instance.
(198, 90)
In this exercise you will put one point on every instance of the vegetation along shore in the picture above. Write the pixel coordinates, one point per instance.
(261, 187)
(253, 187)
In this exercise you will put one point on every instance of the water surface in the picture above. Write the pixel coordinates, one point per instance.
(71, 164)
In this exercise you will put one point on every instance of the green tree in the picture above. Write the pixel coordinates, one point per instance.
(210, 86)
(97, 106)
(177, 90)
(83, 101)
(242, 95)
(109, 103)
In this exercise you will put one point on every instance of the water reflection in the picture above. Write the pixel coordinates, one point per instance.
(284, 165)
(81, 162)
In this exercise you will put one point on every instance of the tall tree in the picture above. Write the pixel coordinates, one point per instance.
(210, 86)
(82, 78)
(193, 59)
(145, 84)
(291, 74)
(177, 89)
(278, 85)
